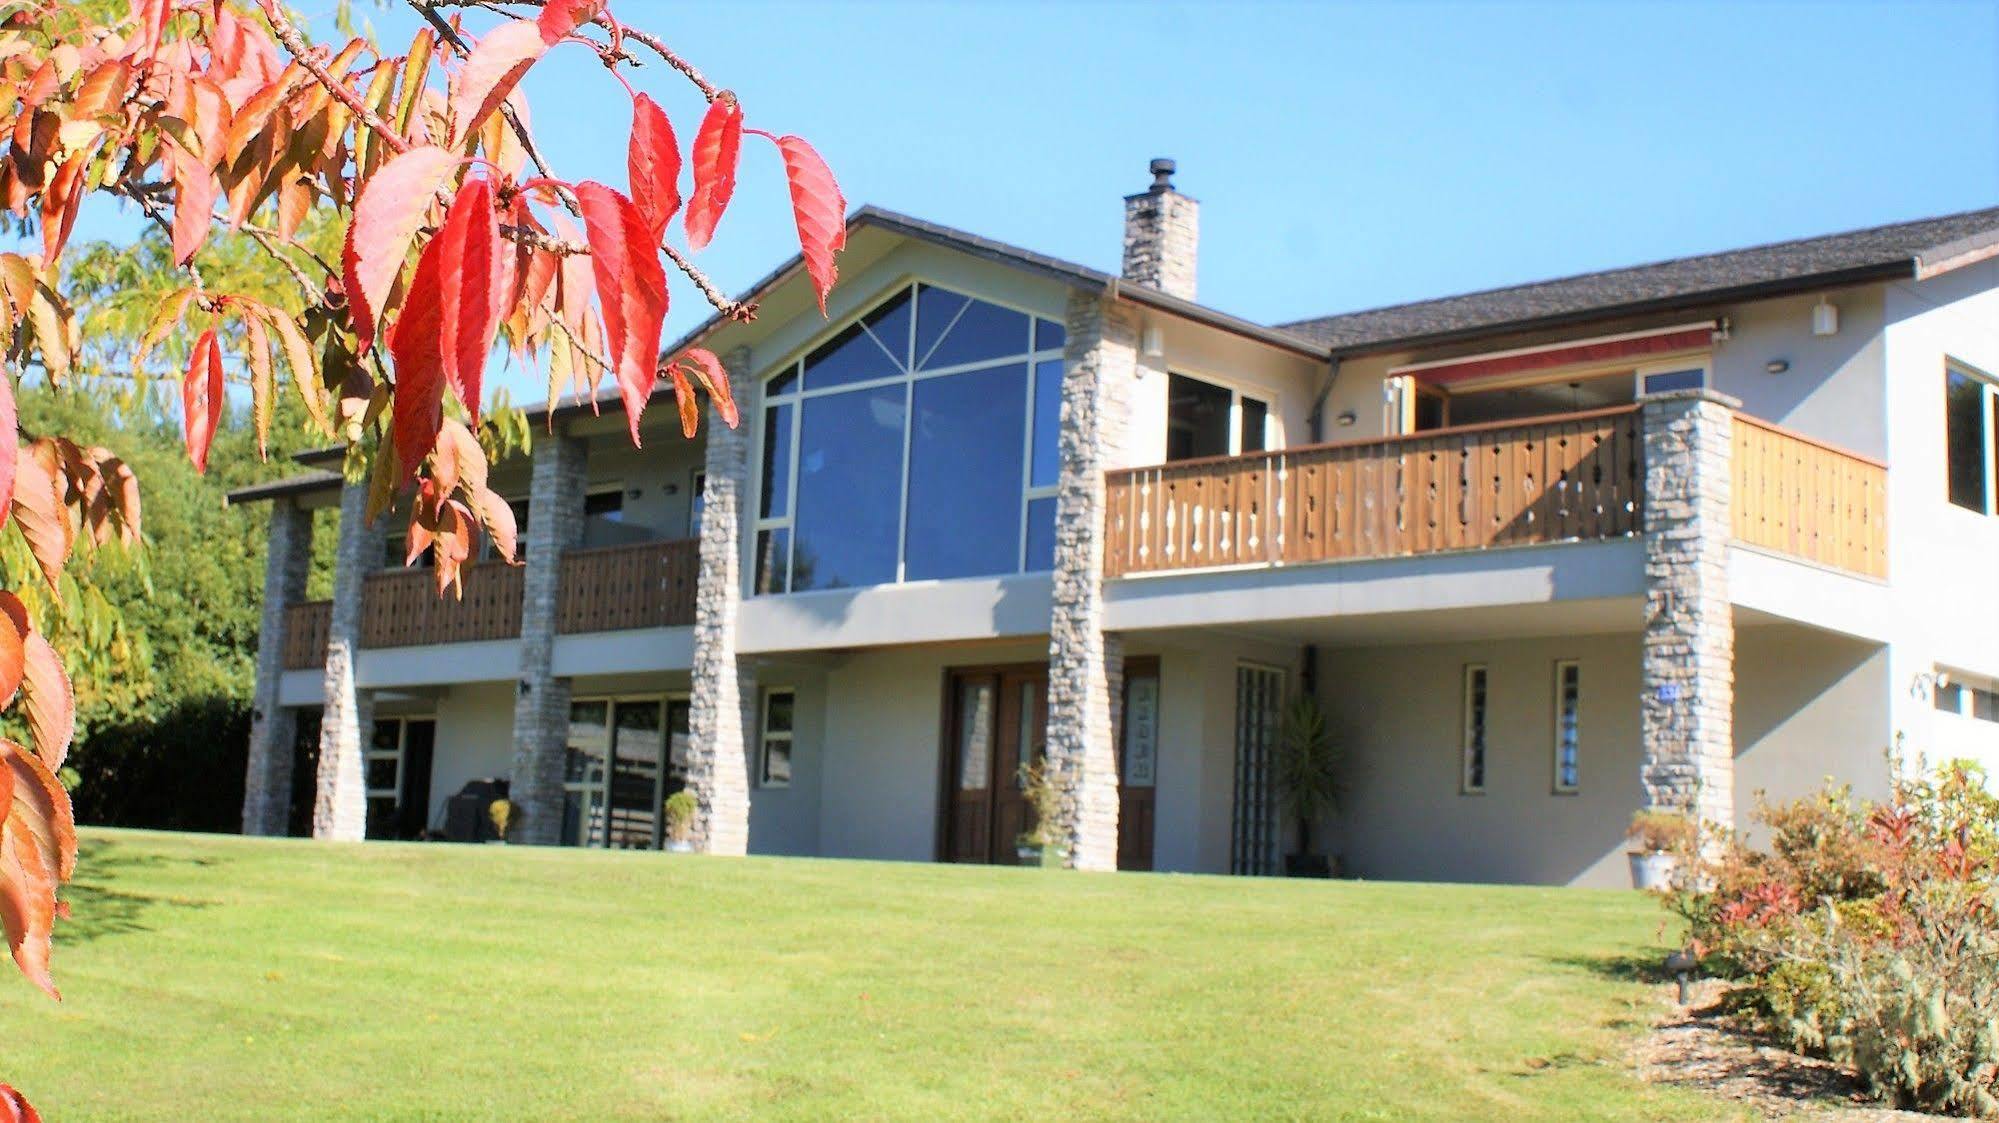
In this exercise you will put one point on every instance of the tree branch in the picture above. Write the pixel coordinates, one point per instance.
(644, 38)
(282, 27)
(446, 32)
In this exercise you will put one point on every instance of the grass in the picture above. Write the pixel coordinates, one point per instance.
(221, 978)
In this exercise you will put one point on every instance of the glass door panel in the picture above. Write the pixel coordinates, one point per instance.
(583, 773)
(637, 752)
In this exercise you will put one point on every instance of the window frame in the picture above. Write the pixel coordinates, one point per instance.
(1238, 390)
(798, 394)
(1988, 424)
(1483, 674)
(765, 735)
(399, 754)
(602, 788)
(1556, 785)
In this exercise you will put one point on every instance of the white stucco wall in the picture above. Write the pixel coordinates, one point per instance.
(475, 739)
(1809, 706)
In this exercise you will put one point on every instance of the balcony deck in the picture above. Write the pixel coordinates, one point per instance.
(1568, 478)
(616, 588)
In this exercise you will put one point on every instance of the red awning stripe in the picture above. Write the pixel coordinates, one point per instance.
(1607, 351)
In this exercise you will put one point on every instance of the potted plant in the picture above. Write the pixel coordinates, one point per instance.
(1039, 845)
(680, 810)
(1307, 775)
(500, 813)
(1658, 839)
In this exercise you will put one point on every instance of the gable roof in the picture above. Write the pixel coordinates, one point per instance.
(1902, 250)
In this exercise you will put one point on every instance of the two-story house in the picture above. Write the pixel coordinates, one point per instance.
(1659, 536)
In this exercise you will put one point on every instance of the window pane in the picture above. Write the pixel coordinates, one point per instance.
(1041, 535)
(875, 347)
(1049, 335)
(777, 761)
(635, 762)
(1964, 412)
(849, 486)
(1197, 418)
(936, 311)
(1475, 728)
(964, 474)
(777, 712)
(1568, 735)
(387, 736)
(773, 550)
(589, 741)
(983, 331)
(1255, 418)
(784, 382)
(975, 725)
(1047, 469)
(1673, 380)
(680, 741)
(776, 501)
(382, 774)
(1949, 698)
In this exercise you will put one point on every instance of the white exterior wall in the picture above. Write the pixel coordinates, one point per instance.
(1809, 706)
(475, 739)
(1285, 380)
(1941, 558)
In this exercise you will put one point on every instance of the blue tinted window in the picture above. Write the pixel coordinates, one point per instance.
(849, 488)
(936, 310)
(981, 332)
(777, 461)
(1047, 424)
(964, 474)
(1049, 335)
(1673, 380)
(875, 347)
(782, 383)
(773, 546)
(1041, 535)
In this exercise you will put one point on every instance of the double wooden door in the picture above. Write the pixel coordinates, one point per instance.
(996, 720)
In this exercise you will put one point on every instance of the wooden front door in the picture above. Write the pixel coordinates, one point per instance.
(995, 720)
(1138, 763)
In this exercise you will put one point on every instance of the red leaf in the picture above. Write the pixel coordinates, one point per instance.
(37, 853)
(14, 633)
(39, 512)
(458, 461)
(495, 66)
(469, 300)
(15, 1108)
(715, 378)
(10, 445)
(201, 398)
(631, 285)
(60, 200)
(820, 211)
(386, 217)
(562, 17)
(498, 518)
(195, 190)
(49, 701)
(687, 400)
(653, 161)
(417, 348)
(716, 147)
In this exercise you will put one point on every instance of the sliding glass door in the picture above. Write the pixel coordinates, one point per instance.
(626, 755)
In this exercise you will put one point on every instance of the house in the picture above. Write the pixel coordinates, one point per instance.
(1663, 536)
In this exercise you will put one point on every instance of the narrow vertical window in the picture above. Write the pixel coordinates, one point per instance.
(1568, 721)
(1971, 441)
(776, 755)
(1472, 777)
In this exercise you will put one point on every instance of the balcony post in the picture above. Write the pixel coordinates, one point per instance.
(541, 701)
(267, 780)
(340, 804)
(1688, 701)
(1085, 663)
(722, 718)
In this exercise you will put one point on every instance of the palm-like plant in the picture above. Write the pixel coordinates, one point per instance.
(1307, 766)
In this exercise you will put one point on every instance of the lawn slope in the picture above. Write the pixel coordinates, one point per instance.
(219, 978)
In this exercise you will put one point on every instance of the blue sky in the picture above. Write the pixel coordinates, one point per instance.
(1345, 156)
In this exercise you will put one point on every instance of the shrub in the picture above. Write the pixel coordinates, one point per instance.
(1867, 933)
(1663, 832)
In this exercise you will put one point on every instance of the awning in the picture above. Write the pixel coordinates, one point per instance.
(1635, 345)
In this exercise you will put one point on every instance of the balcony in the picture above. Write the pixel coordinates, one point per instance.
(1572, 477)
(616, 588)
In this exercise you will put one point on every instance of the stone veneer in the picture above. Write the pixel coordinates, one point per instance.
(340, 803)
(267, 780)
(541, 700)
(1085, 664)
(1687, 708)
(722, 716)
(1162, 233)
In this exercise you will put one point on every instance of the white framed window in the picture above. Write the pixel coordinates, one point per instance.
(1568, 726)
(1971, 438)
(1966, 696)
(774, 743)
(918, 441)
(1471, 777)
(1208, 417)
(1664, 377)
(396, 771)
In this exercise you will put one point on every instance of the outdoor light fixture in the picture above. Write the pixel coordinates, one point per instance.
(1776, 366)
(1346, 418)
(1153, 341)
(1825, 318)
(1682, 966)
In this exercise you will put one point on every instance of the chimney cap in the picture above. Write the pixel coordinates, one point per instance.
(1162, 174)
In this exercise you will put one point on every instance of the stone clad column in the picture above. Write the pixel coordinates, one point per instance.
(267, 781)
(1086, 664)
(340, 806)
(1687, 709)
(722, 717)
(541, 700)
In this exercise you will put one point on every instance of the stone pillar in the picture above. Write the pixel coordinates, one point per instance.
(1085, 664)
(1687, 708)
(541, 701)
(267, 781)
(1162, 236)
(722, 718)
(340, 806)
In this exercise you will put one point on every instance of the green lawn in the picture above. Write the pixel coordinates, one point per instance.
(210, 977)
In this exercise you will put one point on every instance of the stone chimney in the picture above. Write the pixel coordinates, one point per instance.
(1162, 235)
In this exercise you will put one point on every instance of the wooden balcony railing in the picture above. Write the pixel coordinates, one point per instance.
(647, 585)
(1802, 497)
(1577, 476)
